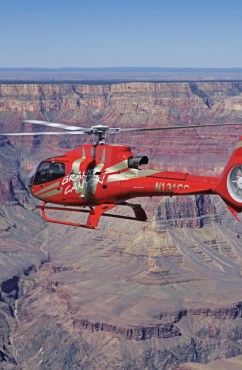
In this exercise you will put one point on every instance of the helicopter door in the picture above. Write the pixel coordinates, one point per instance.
(110, 190)
(46, 183)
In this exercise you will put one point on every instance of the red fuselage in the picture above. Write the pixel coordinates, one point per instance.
(104, 176)
(93, 175)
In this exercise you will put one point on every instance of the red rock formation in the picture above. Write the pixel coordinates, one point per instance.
(131, 104)
(168, 286)
(189, 211)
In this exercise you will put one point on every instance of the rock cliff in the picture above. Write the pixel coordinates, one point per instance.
(128, 295)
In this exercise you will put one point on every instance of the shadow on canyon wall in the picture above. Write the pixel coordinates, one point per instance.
(128, 295)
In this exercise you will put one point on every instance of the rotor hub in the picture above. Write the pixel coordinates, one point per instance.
(100, 131)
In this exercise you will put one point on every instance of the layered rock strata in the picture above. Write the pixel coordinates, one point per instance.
(129, 295)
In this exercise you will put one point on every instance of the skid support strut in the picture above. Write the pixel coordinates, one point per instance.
(94, 214)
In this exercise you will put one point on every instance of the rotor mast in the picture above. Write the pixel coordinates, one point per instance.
(101, 132)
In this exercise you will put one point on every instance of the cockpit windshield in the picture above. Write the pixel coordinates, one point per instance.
(49, 171)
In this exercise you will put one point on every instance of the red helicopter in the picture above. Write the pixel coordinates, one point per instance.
(101, 176)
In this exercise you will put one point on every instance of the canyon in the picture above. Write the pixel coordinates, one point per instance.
(164, 294)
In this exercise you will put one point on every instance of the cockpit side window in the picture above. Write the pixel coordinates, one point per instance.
(57, 170)
(49, 171)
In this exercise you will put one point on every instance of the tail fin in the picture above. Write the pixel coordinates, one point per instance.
(230, 184)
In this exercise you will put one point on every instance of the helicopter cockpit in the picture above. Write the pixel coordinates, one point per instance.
(48, 171)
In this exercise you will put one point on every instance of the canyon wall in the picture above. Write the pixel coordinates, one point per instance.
(130, 294)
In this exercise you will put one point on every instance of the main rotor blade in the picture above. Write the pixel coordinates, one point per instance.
(53, 124)
(43, 133)
(173, 127)
(100, 129)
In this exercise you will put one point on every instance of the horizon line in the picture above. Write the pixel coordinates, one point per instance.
(133, 68)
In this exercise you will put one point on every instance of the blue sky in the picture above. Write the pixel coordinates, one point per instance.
(121, 33)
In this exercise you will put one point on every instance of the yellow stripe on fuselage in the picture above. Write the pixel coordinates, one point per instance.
(47, 188)
(117, 167)
(131, 173)
(50, 193)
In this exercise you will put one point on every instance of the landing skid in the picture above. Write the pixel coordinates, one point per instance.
(94, 214)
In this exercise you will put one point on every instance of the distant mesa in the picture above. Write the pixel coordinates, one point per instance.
(118, 74)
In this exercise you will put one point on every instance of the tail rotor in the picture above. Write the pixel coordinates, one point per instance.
(234, 183)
